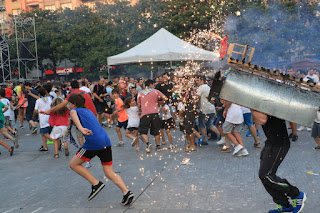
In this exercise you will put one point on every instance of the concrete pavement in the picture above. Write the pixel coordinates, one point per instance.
(32, 181)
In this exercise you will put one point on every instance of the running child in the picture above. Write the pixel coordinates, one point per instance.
(122, 114)
(12, 117)
(7, 114)
(3, 129)
(2, 105)
(167, 122)
(43, 104)
(59, 120)
(133, 122)
(97, 144)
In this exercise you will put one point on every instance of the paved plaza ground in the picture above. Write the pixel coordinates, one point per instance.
(32, 181)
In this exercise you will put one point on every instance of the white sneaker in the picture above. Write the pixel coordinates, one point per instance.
(222, 141)
(134, 141)
(242, 153)
(309, 129)
(237, 149)
(120, 144)
(301, 128)
(171, 147)
(149, 148)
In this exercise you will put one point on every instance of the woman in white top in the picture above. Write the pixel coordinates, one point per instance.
(133, 122)
(232, 127)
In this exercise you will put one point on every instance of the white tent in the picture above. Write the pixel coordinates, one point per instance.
(160, 47)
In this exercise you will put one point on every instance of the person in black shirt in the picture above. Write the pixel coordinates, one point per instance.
(99, 92)
(276, 148)
(167, 88)
(33, 120)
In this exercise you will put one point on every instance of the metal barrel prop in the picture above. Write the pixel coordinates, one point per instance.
(271, 97)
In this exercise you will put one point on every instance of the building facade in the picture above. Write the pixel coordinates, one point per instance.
(15, 7)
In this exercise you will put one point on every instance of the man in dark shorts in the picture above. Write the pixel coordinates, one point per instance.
(32, 120)
(148, 104)
(276, 148)
(99, 91)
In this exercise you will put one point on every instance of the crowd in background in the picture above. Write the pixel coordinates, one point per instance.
(137, 106)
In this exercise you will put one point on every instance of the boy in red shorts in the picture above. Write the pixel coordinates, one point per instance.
(97, 144)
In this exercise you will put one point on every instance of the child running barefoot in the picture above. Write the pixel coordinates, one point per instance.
(97, 144)
(133, 122)
(59, 120)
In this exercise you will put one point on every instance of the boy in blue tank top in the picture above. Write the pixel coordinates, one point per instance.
(97, 144)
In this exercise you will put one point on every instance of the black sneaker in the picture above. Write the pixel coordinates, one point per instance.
(43, 149)
(34, 130)
(95, 190)
(127, 198)
(11, 151)
(158, 148)
(290, 136)
(294, 138)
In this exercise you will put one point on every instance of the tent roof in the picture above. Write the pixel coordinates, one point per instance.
(162, 46)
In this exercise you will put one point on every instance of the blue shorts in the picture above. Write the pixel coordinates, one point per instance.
(206, 120)
(123, 124)
(248, 119)
(1, 124)
(46, 130)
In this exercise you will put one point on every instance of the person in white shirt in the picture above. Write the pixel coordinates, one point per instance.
(3, 129)
(7, 122)
(167, 123)
(130, 84)
(84, 87)
(312, 76)
(232, 127)
(207, 109)
(43, 104)
(133, 122)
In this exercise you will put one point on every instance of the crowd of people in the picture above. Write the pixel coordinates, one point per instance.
(137, 106)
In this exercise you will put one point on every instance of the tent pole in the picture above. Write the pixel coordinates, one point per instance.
(108, 72)
(170, 64)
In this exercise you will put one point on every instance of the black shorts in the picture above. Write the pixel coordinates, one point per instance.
(108, 110)
(100, 106)
(131, 129)
(151, 121)
(123, 124)
(188, 123)
(167, 124)
(105, 155)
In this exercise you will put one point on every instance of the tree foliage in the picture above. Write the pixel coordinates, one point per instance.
(88, 36)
